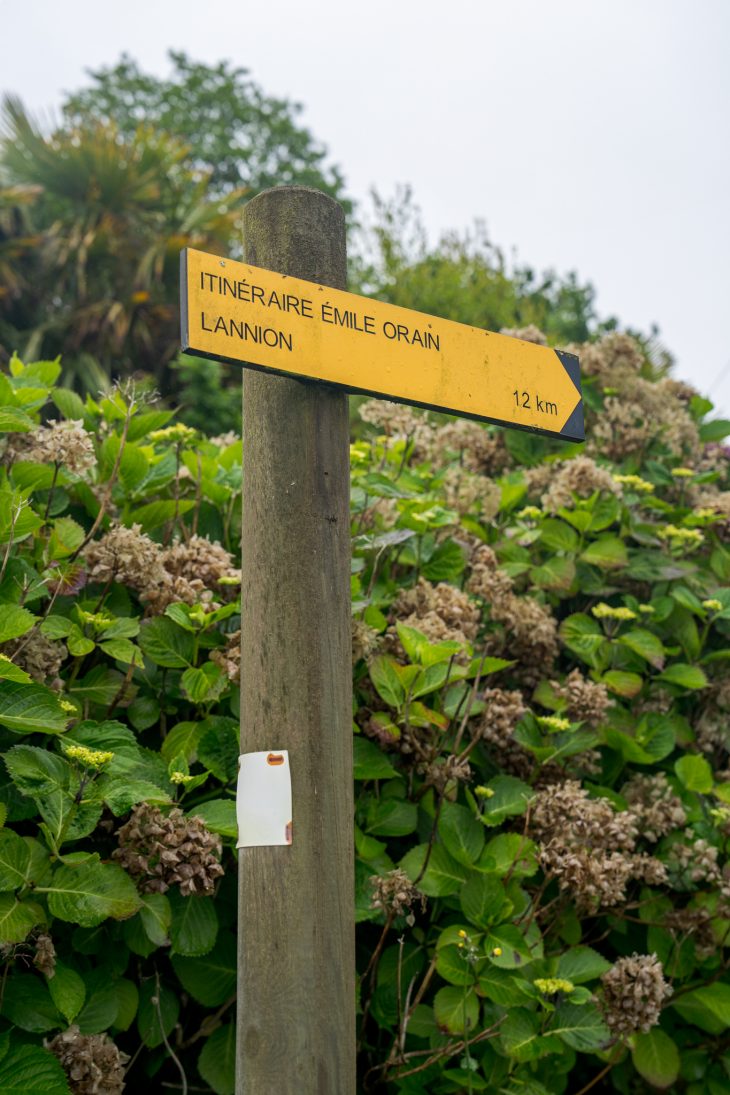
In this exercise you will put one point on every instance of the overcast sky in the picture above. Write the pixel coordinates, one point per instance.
(589, 136)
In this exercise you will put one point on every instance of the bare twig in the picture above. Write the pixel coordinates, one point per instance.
(106, 498)
(168, 1047)
(604, 1071)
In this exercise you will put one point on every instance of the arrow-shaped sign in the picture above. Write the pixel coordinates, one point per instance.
(244, 314)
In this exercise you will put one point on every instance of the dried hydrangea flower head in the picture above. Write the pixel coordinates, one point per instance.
(634, 992)
(394, 893)
(188, 573)
(693, 862)
(580, 476)
(93, 1063)
(44, 958)
(566, 811)
(365, 641)
(538, 479)
(38, 655)
(585, 701)
(530, 638)
(225, 440)
(127, 556)
(617, 357)
(229, 658)
(473, 445)
(395, 419)
(531, 333)
(441, 612)
(652, 801)
(66, 444)
(528, 631)
(454, 607)
(161, 851)
(711, 723)
(715, 504)
(200, 559)
(495, 726)
(502, 711)
(486, 578)
(588, 847)
(443, 772)
(643, 412)
(464, 492)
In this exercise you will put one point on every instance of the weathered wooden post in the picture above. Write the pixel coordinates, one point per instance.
(296, 960)
(296, 995)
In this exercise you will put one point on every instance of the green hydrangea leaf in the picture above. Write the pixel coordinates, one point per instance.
(656, 1058)
(194, 924)
(14, 622)
(18, 918)
(157, 1014)
(31, 709)
(219, 815)
(217, 1061)
(456, 1009)
(87, 893)
(210, 979)
(695, 773)
(580, 1027)
(67, 990)
(15, 857)
(30, 1070)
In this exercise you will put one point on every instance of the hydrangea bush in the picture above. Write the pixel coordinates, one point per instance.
(541, 635)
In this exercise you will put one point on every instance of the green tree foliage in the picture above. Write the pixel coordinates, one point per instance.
(94, 225)
(541, 637)
(93, 215)
(234, 132)
(467, 278)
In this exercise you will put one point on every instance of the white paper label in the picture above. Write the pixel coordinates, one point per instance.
(263, 799)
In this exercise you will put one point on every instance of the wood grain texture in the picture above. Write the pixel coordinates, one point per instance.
(296, 960)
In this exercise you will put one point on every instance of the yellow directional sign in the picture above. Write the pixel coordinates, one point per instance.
(240, 313)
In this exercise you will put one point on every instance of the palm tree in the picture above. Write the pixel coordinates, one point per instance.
(94, 224)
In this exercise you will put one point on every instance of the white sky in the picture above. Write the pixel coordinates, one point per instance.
(588, 135)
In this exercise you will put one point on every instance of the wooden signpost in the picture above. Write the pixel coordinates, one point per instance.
(285, 316)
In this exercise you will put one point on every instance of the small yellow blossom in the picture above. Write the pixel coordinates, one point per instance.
(462, 934)
(66, 705)
(550, 985)
(4, 658)
(179, 433)
(643, 486)
(496, 952)
(530, 513)
(712, 605)
(603, 611)
(93, 758)
(230, 580)
(678, 537)
(360, 452)
(180, 777)
(483, 792)
(682, 473)
(96, 619)
(553, 723)
(648, 610)
(610, 391)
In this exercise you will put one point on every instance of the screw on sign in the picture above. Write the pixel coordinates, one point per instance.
(304, 342)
